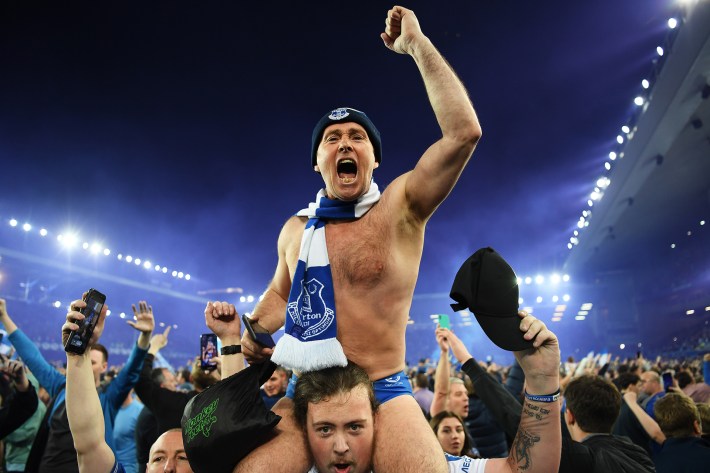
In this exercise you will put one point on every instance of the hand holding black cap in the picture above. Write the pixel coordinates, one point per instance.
(488, 287)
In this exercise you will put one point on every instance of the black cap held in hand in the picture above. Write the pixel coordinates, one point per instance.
(487, 286)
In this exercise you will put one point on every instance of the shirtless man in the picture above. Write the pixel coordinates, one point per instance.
(375, 259)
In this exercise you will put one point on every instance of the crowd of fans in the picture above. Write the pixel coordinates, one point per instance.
(633, 414)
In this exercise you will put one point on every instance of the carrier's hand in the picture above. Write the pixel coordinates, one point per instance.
(222, 318)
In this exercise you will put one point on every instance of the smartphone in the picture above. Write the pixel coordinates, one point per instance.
(444, 321)
(78, 340)
(208, 350)
(667, 380)
(258, 333)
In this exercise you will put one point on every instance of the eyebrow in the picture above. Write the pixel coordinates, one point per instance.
(181, 450)
(325, 422)
(349, 131)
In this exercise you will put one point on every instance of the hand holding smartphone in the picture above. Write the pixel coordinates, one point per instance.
(78, 340)
(258, 333)
(208, 351)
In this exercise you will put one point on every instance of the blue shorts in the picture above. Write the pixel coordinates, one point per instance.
(392, 386)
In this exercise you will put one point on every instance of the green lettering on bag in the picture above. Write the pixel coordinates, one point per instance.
(202, 422)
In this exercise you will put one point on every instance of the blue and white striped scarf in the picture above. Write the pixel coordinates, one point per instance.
(310, 341)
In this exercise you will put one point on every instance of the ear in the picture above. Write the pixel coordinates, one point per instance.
(569, 417)
(104, 367)
(376, 165)
(316, 169)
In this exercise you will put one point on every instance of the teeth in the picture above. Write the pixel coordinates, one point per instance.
(347, 161)
(347, 180)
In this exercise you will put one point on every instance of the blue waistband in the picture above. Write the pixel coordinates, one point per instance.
(392, 386)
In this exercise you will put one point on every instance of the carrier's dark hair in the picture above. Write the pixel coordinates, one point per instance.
(317, 386)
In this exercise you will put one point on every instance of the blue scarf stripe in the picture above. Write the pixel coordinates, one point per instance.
(310, 341)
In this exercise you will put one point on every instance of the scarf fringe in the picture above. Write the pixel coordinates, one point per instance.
(315, 355)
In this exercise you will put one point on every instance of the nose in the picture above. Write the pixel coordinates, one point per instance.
(340, 445)
(170, 466)
(345, 143)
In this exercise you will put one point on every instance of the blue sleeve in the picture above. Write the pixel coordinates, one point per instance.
(706, 371)
(119, 388)
(48, 377)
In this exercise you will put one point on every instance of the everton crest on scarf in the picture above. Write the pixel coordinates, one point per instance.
(309, 342)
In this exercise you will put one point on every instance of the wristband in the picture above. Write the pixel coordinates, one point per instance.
(231, 350)
(543, 397)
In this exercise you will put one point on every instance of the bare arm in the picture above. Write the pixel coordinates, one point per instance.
(441, 379)
(538, 445)
(86, 420)
(270, 312)
(439, 168)
(649, 425)
(222, 318)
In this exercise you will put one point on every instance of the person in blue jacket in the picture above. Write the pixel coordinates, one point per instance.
(53, 450)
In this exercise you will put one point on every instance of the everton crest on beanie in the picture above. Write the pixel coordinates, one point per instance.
(345, 115)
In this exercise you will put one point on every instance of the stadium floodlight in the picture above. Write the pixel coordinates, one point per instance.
(27, 227)
(13, 222)
(43, 232)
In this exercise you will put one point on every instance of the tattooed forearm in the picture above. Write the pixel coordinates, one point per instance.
(520, 458)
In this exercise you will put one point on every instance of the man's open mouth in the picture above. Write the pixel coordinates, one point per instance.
(347, 170)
